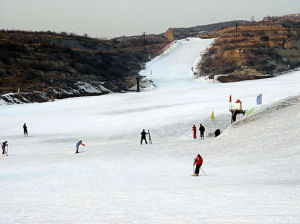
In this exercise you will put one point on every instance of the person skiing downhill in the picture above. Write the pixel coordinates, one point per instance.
(194, 131)
(25, 130)
(78, 144)
(198, 161)
(202, 130)
(3, 145)
(143, 136)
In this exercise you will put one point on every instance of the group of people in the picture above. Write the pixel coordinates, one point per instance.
(201, 129)
(4, 145)
(197, 161)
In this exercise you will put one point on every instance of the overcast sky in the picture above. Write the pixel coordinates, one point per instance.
(111, 18)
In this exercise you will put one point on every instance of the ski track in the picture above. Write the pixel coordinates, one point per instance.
(253, 167)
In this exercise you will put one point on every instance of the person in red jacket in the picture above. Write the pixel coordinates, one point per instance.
(198, 161)
(194, 131)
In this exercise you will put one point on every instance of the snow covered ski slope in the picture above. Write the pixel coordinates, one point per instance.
(253, 168)
(173, 69)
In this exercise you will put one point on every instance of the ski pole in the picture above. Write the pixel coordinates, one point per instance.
(193, 169)
(203, 171)
(7, 150)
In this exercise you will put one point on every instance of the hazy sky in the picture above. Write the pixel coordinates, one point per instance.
(110, 18)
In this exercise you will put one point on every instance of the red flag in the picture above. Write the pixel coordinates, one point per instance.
(230, 99)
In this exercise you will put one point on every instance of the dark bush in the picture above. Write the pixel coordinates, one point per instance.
(264, 38)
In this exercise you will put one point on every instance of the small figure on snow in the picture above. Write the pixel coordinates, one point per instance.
(4, 145)
(202, 130)
(25, 130)
(143, 136)
(198, 161)
(194, 132)
(78, 144)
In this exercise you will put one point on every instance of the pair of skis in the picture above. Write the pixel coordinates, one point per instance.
(150, 140)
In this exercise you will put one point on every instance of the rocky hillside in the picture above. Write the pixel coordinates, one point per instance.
(291, 17)
(181, 33)
(43, 64)
(37, 65)
(252, 51)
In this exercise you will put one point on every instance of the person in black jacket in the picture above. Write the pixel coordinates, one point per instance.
(4, 144)
(25, 130)
(143, 136)
(202, 130)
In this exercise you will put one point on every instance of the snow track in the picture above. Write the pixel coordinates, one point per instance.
(173, 69)
(253, 167)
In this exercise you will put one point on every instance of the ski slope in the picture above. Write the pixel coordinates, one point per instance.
(173, 69)
(253, 168)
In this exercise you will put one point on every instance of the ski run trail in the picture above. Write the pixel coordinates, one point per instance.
(253, 167)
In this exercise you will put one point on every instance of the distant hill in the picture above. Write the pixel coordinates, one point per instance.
(43, 64)
(181, 33)
(290, 17)
(252, 51)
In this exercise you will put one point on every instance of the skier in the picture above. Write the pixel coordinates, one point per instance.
(78, 144)
(4, 144)
(143, 136)
(194, 131)
(198, 161)
(202, 130)
(25, 130)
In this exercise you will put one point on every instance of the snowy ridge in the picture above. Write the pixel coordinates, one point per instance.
(95, 88)
(89, 88)
(258, 111)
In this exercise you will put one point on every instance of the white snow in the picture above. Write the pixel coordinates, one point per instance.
(253, 167)
(173, 69)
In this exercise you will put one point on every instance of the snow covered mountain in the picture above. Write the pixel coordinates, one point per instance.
(252, 168)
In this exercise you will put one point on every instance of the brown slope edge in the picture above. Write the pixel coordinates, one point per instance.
(252, 51)
(30, 60)
(181, 33)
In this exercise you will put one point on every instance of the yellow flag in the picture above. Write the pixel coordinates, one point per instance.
(212, 116)
(150, 72)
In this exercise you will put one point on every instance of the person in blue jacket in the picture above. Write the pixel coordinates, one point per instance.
(78, 144)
